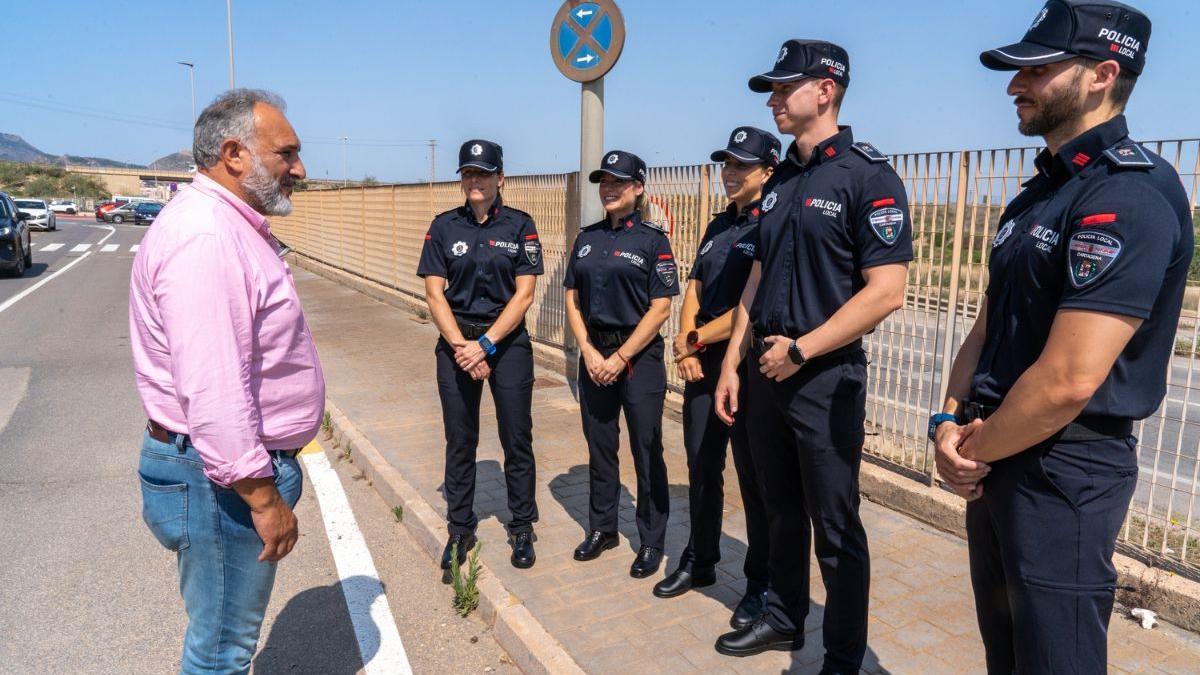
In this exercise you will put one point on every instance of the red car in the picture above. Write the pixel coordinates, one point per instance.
(104, 207)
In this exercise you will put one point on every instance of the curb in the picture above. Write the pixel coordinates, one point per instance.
(527, 642)
(1178, 601)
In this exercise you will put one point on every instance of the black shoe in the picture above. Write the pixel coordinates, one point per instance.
(751, 608)
(597, 542)
(523, 556)
(682, 581)
(647, 562)
(465, 542)
(757, 638)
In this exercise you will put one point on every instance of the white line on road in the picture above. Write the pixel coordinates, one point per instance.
(134, 248)
(374, 626)
(51, 247)
(80, 248)
(13, 300)
(109, 248)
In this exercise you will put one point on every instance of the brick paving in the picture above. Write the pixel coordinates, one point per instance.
(379, 369)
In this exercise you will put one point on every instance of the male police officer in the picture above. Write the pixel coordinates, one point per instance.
(835, 242)
(1071, 346)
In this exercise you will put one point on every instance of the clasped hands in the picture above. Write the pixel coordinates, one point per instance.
(471, 358)
(956, 449)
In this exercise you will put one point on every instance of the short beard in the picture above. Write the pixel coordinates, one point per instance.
(266, 191)
(1061, 107)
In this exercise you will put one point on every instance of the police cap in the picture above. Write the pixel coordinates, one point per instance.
(623, 165)
(750, 145)
(481, 154)
(799, 59)
(1064, 29)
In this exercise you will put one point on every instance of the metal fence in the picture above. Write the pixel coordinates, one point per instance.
(956, 197)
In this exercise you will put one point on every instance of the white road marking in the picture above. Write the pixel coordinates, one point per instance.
(51, 247)
(374, 626)
(80, 248)
(134, 248)
(13, 300)
(109, 248)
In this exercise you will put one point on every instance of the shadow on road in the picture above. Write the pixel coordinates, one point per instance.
(314, 634)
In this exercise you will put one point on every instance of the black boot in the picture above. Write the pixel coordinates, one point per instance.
(647, 562)
(596, 543)
(681, 581)
(523, 556)
(465, 543)
(757, 638)
(751, 608)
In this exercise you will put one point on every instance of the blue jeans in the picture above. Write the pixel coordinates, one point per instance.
(225, 589)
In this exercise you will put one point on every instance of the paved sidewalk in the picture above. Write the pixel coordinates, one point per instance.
(379, 369)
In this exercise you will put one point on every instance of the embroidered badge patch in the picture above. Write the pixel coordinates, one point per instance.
(1004, 233)
(1090, 254)
(768, 202)
(586, 249)
(706, 247)
(459, 248)
(666, 271)
(887, 223)
(533, 251)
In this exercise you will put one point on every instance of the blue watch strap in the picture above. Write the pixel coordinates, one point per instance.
(486, 344)
(936, 420)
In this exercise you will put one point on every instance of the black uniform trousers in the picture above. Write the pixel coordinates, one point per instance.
(640, 394)
(806, 435)
(705, 437)
(1041, 542)
(511, 382)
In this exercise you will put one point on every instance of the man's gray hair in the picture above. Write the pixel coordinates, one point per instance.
(231, 115)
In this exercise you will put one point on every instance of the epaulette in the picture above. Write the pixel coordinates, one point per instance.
(655, 226)
(867, 150)
(447, 212)
(1129, 155)
(519, 212)
(594, 225)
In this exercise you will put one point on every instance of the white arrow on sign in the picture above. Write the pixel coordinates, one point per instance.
(583, 12)
(586, 59)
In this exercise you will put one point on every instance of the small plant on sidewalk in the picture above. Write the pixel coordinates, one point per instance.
(398, 512)
(466, 594)
(327, 425)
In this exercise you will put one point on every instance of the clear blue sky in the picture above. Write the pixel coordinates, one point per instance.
(407, 70)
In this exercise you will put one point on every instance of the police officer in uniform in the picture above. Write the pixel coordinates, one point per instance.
(480, 263)
(621, 275)
(1072, 345)
(834, 246)
(722, 263)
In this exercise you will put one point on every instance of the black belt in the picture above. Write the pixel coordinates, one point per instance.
(609, 338)
(758, 344)
(164, 435)
(1082, 428)
(472, 330)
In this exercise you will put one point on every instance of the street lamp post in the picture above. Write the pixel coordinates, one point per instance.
(345, 177)
(229, 25)
(191, 79)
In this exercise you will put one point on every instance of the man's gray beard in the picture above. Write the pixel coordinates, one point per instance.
(1059, 109)
(265, 190)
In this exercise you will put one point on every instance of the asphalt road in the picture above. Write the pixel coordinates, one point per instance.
(84, 587)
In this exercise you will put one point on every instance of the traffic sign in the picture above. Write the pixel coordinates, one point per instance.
(586, 38)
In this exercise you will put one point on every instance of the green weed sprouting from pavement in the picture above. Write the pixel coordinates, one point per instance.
(398, 513)
(466, 594)
(327, 425)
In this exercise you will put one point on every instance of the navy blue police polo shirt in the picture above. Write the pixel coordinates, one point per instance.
(481, 261)
(1104, 225)
(826, 218)
(618, 271)
(724, 259)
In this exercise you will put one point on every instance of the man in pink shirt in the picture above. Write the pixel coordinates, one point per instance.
(228, 375)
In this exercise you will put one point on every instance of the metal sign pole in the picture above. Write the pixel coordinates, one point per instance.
(591, 149)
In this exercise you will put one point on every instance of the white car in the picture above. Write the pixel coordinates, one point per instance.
(64, 206)
(40, 215)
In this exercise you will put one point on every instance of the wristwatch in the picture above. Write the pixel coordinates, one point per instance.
(795, 354)
(693, 340)
(486, 344)
(936, 420)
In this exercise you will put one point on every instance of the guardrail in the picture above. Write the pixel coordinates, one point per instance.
(956, 197)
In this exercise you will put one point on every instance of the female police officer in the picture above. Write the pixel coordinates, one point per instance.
(620, 278)
(479, 264)
(718, 276)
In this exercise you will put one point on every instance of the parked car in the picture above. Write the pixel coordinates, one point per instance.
(64, 206)
(145, 212)
(15, 252)
(104, 207)
(40, 215)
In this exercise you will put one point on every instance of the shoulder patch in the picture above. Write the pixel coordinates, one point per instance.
(867, 150)
(1130, 155)
(654, 226)
(1090, 254)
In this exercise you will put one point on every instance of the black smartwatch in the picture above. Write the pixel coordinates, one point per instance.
(795, 354)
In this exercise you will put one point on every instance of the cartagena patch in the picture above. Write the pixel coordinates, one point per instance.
(533, 251)
(887, 223)
(666, 271)
(1090, 254)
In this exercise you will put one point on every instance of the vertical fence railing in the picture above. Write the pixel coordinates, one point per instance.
(955, 198)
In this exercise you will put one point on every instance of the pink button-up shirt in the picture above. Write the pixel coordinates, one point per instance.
(221, 349)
